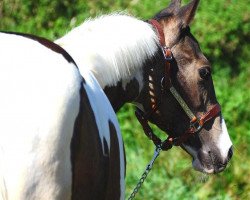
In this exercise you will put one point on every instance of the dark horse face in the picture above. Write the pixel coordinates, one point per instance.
(190, 74)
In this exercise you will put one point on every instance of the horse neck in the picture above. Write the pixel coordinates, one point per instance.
(120, 94)
(115, 49)
(138, 90)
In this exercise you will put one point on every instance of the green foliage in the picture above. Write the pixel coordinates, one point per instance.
(222, 28)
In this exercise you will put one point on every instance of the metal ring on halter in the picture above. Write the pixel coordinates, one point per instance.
(162, 83)
(196, 125)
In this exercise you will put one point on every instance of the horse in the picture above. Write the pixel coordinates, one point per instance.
(158, 66)
(59, 135)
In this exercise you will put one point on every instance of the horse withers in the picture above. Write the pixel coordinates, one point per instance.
(59, 136)
(126, 56)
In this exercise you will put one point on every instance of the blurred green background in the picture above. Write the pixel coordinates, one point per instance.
(223, 29)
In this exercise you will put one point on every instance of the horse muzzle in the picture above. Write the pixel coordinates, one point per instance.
(211, 162)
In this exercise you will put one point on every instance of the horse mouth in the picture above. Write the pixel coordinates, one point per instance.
(208, 168)
(208, 162)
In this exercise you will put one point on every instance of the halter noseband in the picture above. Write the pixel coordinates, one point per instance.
(196, 123)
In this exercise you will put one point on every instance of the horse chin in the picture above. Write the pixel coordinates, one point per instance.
(207, 168)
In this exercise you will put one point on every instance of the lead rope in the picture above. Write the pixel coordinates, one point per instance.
(146, 172)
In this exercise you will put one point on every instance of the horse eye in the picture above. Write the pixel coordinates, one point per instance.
(205, 72)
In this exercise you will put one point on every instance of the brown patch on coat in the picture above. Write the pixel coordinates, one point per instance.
(113, 186)
(89, 165)
(95, 174)
(118, 96)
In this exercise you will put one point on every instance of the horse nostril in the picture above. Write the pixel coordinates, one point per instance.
(230, 153)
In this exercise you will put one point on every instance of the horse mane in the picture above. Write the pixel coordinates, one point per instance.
(113, 47)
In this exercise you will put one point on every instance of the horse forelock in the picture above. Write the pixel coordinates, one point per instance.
(114, 47)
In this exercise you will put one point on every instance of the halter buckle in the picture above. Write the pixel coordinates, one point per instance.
(195, 125)
(167, 53)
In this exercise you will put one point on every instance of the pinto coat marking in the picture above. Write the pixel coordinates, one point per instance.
(41, 92)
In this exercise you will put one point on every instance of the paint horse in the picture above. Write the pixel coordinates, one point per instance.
(59, 136)
(159, 67)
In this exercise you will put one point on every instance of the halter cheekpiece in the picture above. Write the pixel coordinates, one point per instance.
(196, 123)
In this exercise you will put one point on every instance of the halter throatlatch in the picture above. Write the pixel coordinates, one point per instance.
(196, 123)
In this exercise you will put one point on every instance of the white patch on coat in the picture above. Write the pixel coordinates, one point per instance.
(39, 104)
(113, 47)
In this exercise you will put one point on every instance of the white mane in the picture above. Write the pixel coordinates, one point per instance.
(114, 47)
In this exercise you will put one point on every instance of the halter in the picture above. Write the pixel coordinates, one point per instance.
(196, 123)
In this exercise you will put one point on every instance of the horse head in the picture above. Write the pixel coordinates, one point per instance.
(190, 75)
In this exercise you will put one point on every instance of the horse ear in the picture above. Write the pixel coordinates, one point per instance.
(174, 6)
(172, 9)
(186, 13)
